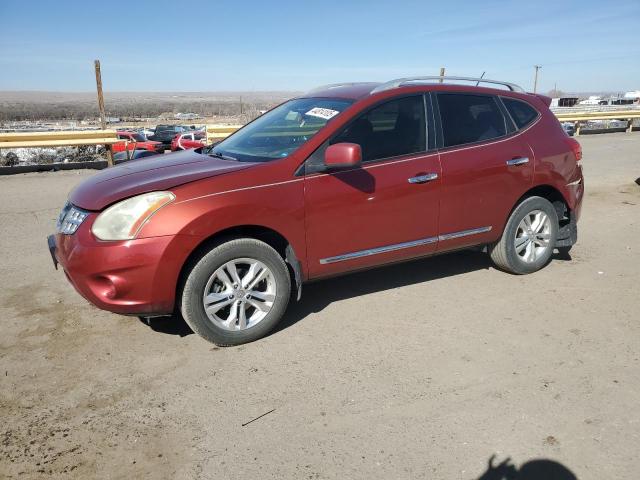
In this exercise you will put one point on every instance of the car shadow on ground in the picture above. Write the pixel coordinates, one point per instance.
(316, 296)
(537, 469)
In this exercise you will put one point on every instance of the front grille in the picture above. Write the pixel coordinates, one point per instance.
(70, 219)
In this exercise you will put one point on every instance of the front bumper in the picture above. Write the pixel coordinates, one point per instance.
(134, 277)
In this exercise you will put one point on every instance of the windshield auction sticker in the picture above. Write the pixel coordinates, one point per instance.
(324, 113)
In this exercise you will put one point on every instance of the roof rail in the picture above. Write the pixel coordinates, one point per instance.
(398, 82)
(335, 85)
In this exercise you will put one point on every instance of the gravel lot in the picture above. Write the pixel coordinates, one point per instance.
(420, 370)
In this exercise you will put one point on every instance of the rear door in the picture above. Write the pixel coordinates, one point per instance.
(385, 211)
(486, 167)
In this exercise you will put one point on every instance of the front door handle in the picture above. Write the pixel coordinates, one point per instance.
(427, 177)
(518, 161)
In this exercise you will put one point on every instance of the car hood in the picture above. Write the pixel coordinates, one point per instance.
(146, 175)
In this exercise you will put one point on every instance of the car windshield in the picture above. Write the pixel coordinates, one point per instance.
(281, 131)
(138, 137)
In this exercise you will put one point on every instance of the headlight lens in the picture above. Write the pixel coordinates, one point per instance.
(123, 220)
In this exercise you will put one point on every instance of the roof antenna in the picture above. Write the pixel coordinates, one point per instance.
(481, 76)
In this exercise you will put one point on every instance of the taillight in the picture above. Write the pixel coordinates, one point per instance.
(575, 148)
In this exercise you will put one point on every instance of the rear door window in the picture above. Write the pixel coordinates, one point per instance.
(394, 128)
(467, 118)
(521, 112)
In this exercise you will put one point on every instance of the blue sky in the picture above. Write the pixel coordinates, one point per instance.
(294, 45)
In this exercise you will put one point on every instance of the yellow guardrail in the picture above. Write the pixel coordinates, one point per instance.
(610, 115)
(58, 138)
(220, 131)
(578, 118)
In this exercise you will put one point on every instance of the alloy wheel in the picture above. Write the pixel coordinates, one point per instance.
(239, 294)
(533, 236)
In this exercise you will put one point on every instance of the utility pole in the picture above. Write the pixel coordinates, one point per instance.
(103, 118)
(441, 74)
(535, 79)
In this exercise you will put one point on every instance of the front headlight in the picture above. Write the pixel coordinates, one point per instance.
(123, 220)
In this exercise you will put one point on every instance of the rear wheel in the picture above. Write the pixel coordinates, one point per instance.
(528, 239)
(236, 293)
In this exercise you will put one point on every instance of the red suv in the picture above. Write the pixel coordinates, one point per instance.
(343, 178)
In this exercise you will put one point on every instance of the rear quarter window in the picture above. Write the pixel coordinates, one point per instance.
(522, 113)
(468, 118)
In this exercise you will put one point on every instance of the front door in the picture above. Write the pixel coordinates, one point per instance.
(384, 211)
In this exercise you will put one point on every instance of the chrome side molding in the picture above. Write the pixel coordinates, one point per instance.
(375, 251)
(464, 233)
(400, 246)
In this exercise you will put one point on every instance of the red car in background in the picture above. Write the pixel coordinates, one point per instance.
(186, 141)
(136, 141)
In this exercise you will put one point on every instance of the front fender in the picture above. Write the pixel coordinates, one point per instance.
(278, 207)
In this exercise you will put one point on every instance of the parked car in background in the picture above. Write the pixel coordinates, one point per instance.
(569, 128)
(343, 178)
(147, 132)
(165, 133)
(133, 155)
(135, 141)
(185, 141)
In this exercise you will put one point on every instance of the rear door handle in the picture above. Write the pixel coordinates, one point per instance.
(518, 161)
(427, 177)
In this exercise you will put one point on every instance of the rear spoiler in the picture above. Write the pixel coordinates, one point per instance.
(543, 98)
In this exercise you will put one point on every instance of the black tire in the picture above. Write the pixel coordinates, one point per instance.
(192, 307)
(503, 252)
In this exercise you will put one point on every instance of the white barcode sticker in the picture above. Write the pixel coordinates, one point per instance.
(324, 113)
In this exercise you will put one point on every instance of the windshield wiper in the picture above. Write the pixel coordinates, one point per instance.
(220, 155)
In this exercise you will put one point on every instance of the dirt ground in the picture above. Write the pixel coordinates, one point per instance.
(420, 370)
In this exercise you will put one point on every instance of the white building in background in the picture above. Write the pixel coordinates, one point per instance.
(633, 95)
(592, 100)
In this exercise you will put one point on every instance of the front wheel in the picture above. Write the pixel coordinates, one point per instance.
(528, 239)
(236, 293)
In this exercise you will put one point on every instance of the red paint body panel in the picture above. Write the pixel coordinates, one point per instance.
(321, 215)
(124, 277)
(480, 189)
(371, 207)
(146, 175)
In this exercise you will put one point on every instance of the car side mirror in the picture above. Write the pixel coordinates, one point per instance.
(343, 155)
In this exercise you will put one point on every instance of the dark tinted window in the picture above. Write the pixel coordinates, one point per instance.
(391, 129)
(469, 118)
(522, 113)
